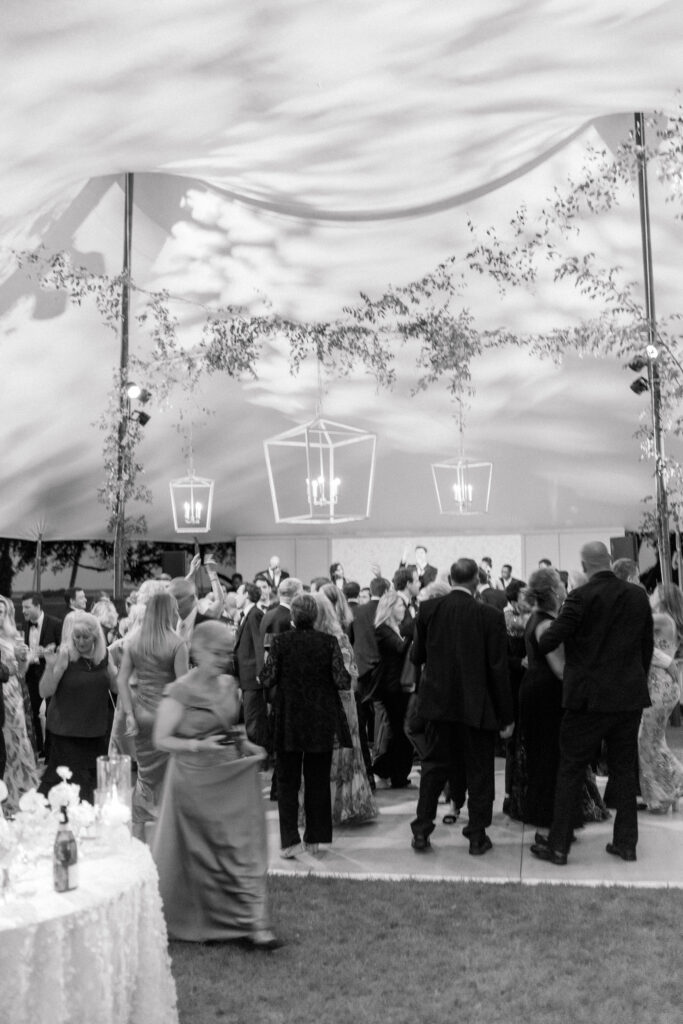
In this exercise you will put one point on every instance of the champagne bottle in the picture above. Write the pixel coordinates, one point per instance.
(65, 857)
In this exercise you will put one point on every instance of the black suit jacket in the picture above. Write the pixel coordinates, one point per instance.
(362, 637)
(248, 651)
(276, 620)
(50, 633)
(462, 644)
(607, 631)
(495, 598)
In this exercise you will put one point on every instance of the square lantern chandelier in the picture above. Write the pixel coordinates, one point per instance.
(192, 503)
(321, 472)
(463, 488)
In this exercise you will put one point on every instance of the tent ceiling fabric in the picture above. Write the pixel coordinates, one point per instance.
(307, 152)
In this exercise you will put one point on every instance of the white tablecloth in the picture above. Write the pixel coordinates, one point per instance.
(97, 955)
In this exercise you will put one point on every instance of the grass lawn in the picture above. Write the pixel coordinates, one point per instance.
(439, 953)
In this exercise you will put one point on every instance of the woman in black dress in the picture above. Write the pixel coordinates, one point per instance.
(540, 701)
(394, 754)
(79, 679)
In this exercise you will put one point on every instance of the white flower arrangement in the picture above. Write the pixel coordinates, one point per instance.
(65, 793)
(33, 802)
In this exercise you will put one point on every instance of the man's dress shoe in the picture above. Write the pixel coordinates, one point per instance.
(421, 843)
(547, 853)
(480, 845)
(625, 852)
(542, 840)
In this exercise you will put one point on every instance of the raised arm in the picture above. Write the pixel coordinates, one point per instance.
(565, 625)
(55, 667)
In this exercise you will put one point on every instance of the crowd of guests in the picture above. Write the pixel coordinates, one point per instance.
(342, 690)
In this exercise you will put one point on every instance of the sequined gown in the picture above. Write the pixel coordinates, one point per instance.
(352, 798)
(21, 772)
(661, 773)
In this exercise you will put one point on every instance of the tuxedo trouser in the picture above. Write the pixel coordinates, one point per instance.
(317, 795)
(255, 711)
(364, 712)
(465, 757)
(580, 736)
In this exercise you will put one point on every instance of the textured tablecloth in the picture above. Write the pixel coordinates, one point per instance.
(97, 955)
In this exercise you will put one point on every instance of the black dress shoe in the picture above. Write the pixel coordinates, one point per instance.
(625, 852)
(421, 843)
(542, 840)
(480, 846)
(547, 853)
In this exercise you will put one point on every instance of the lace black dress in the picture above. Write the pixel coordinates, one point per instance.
(536, 755)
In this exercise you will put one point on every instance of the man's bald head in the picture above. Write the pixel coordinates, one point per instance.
(595, 557)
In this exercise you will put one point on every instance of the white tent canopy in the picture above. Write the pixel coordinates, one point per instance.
(305, 153)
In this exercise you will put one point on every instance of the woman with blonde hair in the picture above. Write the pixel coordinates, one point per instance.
(352, 798)
(21, 771)
(393, 750)
(157, 656)
(79, 679)
(661, 773)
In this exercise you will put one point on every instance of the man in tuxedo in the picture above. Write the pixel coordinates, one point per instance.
(464, 697)
(607, 632)
(42, 633)
(426, 573)
(279, 618)
(75, 599)
(273, 574)
(506, 577)
(248, 656)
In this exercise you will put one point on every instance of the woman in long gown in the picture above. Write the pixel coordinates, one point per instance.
(352, 798)
(210, 840)
(661, 773)
(393, 751)
(21, 771)
(157, 656)
(540, 700)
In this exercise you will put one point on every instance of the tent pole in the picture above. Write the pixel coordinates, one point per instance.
(124, 401)
(662, 509)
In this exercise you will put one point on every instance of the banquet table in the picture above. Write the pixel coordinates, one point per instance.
(96, 955)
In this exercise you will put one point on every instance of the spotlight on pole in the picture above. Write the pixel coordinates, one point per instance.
(143, 418)
(639, 385)
(637, 364)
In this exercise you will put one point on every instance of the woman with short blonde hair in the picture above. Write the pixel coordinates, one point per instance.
(79, 680)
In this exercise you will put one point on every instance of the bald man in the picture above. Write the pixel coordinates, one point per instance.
(606, 628)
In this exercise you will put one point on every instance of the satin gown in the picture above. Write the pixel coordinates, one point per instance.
(210, 842)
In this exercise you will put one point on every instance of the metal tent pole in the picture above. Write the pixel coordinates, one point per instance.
(662, 506)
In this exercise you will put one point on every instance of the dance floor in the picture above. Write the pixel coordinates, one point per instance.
(381, 849)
